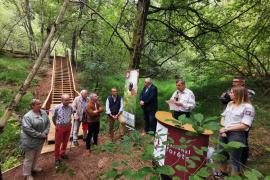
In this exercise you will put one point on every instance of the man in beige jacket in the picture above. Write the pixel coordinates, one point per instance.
(79, 106)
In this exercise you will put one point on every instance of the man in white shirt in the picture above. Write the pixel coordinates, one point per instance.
(114, 109)
(184, 100)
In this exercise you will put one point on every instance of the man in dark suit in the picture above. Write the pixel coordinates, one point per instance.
(149, 104)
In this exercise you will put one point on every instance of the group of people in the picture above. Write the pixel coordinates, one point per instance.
(85, 109)
(237, 117)
(236, 120)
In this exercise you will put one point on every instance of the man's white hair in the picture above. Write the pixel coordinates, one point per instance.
(65, 96)
(83, 91)
(92, 94)
(148, 80)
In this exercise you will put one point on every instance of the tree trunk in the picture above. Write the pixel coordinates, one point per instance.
(42, 24)
(73, 46)
(35, 68)
(138, 34)
(31, 35)
(75, 33)
(48, 53)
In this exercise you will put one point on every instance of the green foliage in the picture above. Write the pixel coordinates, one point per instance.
(5, 95)
(24, 104)
(9, 141)
(10, 162)
(253, 174)
(13, 71)
(63, 168)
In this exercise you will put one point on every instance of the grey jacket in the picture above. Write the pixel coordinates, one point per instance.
(33, 126)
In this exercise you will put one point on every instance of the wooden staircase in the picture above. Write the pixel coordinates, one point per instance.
(62, 83)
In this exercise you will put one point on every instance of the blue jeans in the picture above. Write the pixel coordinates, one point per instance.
(235, 155)
(150, 121)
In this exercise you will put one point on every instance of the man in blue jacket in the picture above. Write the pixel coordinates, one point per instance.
(149, 104)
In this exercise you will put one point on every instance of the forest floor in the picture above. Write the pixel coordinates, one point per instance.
(79, 166)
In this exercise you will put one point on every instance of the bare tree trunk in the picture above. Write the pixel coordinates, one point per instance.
(138, 34)
(31, 35)
(42, 25)
(73, 46)
(75, 33)
(48, 53)
(35, 68)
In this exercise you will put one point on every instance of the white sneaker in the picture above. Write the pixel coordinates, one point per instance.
(37, 170)
(29, 177)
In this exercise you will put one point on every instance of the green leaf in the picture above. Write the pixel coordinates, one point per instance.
(195, 177)
(218, 157)
(148, 153)
(115, 164)
(166, 170)
(267, 149)
(128, 173)
(196, 158)
(180, 146)
(182, 140)
(212, 165)
(191, 164)
(234, 178)
(111, 174)
(234, 144)
(267, 178)
(198, 117)
(181, 168)
(198, 151)
(210, 119)
(203, 172)
(253, 174)
(143, 172)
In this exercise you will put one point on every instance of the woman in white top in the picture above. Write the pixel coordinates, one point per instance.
(236, 121)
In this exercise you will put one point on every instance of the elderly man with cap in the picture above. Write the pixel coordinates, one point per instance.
(62, 121)
(79, 106)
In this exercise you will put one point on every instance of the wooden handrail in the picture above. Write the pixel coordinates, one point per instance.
(73, 82)
(44, 106)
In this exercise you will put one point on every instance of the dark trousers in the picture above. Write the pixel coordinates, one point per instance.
(0, 173)
(93, 130)
(176, 114)
(245, 152)
(150, 121)
(236, 154)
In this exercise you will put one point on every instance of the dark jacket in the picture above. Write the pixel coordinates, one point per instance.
(149, 98)
(114, 106)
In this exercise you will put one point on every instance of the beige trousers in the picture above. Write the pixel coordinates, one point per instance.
(122, 126)
(30, 159)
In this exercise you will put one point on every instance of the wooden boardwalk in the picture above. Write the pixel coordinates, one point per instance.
(62, 83)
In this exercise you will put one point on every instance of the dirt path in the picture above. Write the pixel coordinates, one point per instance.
(82, 167)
